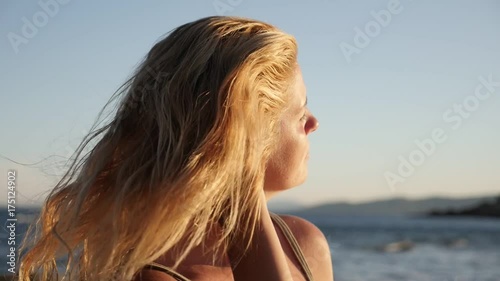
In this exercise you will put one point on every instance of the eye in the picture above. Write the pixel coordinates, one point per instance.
(304, 117)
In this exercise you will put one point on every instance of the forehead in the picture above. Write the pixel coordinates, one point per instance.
(298, 90)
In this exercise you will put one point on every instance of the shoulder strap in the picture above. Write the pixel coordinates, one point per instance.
(294, 244)
(167, 270)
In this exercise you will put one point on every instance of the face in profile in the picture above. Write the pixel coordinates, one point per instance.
(288, 164)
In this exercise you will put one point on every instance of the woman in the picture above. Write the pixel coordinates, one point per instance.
(212, 124)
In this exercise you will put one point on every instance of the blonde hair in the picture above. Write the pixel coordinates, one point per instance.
(188, 146)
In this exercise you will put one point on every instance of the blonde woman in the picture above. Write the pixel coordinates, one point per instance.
(211, 125)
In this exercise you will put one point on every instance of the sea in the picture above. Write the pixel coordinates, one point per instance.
(384, 248)
(413, 248)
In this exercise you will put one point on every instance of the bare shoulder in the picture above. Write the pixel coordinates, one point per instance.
(314, 245)
(303, 229)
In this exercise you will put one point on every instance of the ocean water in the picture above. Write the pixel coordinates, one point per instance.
(388, 248)
(420, 249)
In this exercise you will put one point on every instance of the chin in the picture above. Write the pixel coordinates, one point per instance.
(300, 180)
(284, 186)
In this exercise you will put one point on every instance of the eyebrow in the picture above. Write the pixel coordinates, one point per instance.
(303, 106)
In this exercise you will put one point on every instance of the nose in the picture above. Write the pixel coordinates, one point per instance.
(313, 124)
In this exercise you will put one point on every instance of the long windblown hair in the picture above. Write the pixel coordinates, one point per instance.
(194, 128)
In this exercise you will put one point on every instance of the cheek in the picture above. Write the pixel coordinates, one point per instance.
(287, 165)
(286, 150)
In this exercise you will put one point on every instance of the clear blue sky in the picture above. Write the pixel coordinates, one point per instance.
(407, 80)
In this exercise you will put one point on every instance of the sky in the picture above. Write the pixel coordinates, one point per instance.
(407, 93)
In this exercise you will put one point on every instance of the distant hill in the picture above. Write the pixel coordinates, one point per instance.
(487, 208)
(390, 207)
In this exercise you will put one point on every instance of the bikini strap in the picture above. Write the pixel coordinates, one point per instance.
(167, 270)
(288, 235)
(294, 244)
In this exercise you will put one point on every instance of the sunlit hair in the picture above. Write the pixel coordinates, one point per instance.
(193, 130)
